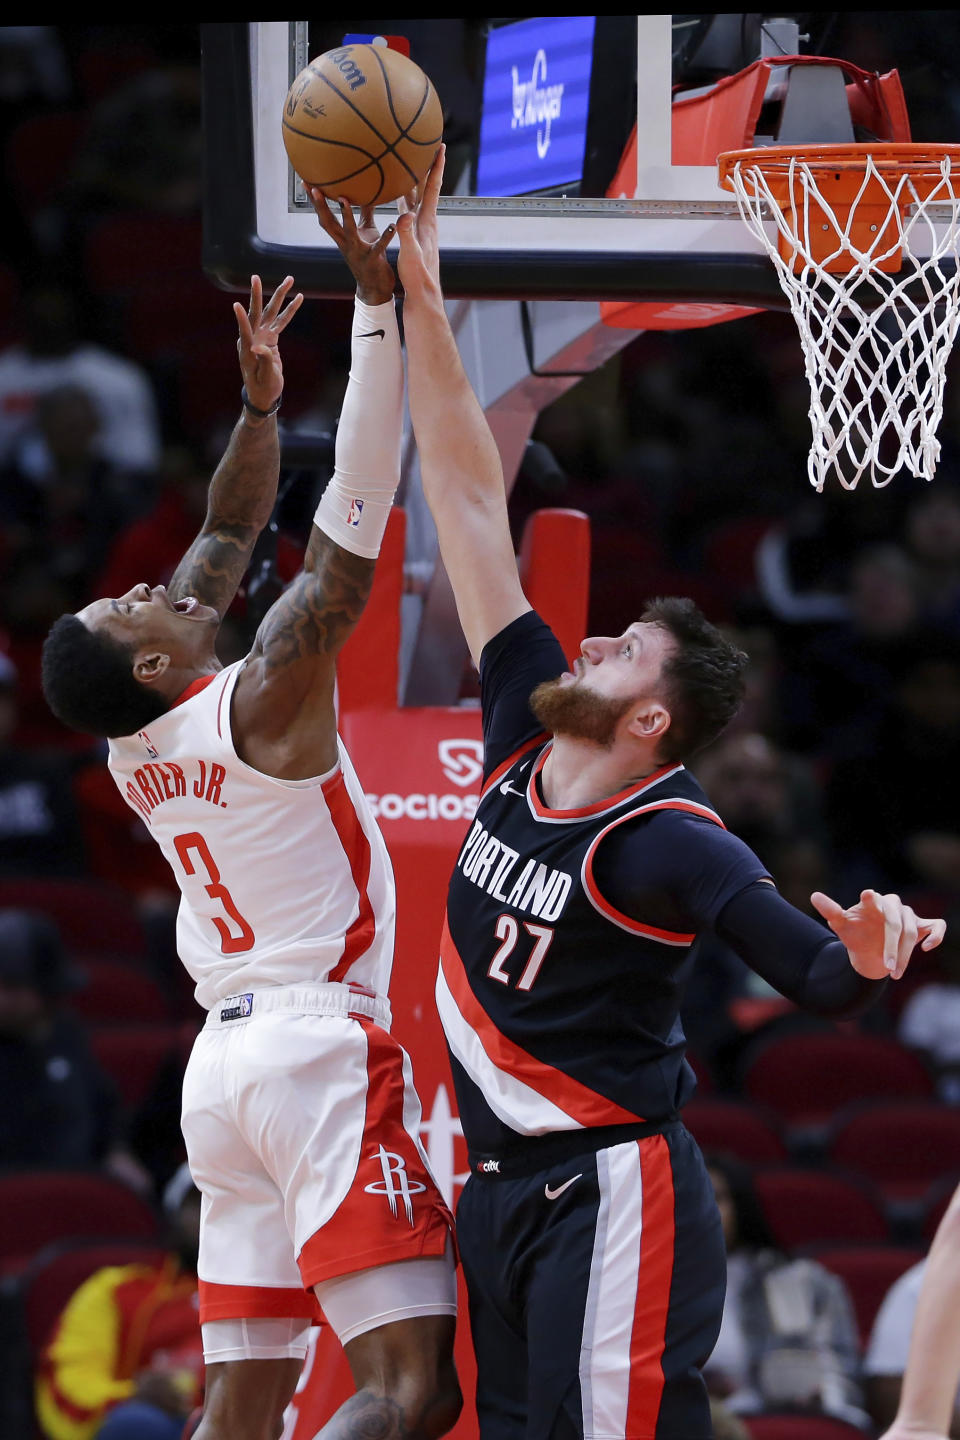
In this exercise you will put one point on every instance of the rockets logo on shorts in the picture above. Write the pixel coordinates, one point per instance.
(394, 1169)
(148, 745)
(355, 511)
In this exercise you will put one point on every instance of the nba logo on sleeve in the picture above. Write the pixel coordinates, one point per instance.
(148, 745)
(355, 511)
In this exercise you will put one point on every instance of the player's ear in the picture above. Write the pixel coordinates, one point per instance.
(650, 721)
(148, 668)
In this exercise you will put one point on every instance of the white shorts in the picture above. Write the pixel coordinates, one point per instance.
(301, 1123)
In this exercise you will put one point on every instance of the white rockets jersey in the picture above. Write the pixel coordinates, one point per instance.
(283, 882)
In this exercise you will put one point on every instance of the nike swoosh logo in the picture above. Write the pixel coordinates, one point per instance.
(507, 789)
(552, 1194)
(370, 335)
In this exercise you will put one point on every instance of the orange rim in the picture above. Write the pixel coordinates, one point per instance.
(774, 160)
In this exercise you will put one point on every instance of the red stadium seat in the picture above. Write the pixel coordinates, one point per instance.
(114, 992)
(868, 1271)
(208, 393)
(122, 248)
(800, 1427)
(732, 1128)
(809, 1207)
(41, 1207)
(808, 1077)
(39, 154)
(701, 1069)
(903, 1146)
(93, 918)
(132, 1056)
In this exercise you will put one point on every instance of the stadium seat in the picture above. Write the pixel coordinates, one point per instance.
(701, 1069)
(114, 992)
(208, 393)
(730, 1127)
(132, 1056)
(809, 1076)
(124, 247)
(39, 153)
(93, 918)
(808, 1207)
(868, 1271)
(903, 1146)
(41, 1207)
(164, 318)
(800, 1427)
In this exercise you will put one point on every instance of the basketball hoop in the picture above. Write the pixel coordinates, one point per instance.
(866, 251)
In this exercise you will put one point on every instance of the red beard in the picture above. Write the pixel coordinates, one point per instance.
(578, 712)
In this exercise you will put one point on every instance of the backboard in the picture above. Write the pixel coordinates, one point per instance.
(679, 236)
(673, 233)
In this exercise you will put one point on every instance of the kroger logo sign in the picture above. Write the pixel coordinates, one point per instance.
(536, 98)
(536, 103)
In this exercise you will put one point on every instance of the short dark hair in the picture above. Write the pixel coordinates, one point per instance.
(89, 683)
(703, 677)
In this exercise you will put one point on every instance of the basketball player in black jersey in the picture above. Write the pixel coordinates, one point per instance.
(590, 1238)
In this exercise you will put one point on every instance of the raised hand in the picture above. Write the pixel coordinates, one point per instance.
(258, 346)
(362, 246)
(880, 932)
(419, 262)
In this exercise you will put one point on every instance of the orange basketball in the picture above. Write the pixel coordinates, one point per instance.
(363, 122)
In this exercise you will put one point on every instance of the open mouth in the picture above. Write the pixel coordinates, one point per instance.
(185, 607)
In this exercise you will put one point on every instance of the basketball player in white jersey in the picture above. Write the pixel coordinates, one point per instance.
(299, 1111)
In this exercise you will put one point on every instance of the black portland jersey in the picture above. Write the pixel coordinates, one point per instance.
(560, 1012)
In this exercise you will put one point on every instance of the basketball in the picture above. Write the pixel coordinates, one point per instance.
(362, 121)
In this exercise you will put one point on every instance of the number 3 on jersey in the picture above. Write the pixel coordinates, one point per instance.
(230, 943)
(507, 930)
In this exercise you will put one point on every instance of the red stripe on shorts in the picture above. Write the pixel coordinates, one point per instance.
(393, 1209)
(653, 1287)
(356, 847)
(253, 1302)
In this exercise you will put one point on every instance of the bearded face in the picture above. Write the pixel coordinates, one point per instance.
(578, 712)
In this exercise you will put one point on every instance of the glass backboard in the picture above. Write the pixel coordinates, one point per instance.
(538, 113)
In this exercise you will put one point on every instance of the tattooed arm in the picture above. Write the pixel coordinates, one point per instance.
(283, 716)
(244, 487)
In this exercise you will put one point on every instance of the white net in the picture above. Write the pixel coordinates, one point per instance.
(875, 341)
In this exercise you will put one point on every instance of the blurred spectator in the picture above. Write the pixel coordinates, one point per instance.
(142, 147)
(886, 1356)
(933, 539)
(788, 1338)
(891, 805)
(52, 354)
(39, 830)
(125, 1361)
(930, 1020)
(32, 65)
(59, 495)
(763, 795)
(58, 1107)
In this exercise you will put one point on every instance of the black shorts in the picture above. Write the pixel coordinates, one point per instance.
(596, 1290)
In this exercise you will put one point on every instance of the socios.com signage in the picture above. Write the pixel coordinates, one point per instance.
(536, 94)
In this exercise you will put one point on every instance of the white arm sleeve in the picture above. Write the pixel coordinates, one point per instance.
(355, 506)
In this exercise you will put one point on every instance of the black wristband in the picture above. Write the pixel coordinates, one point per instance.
(255, 409)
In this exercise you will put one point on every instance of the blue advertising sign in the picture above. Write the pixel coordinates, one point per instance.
(536, 95)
